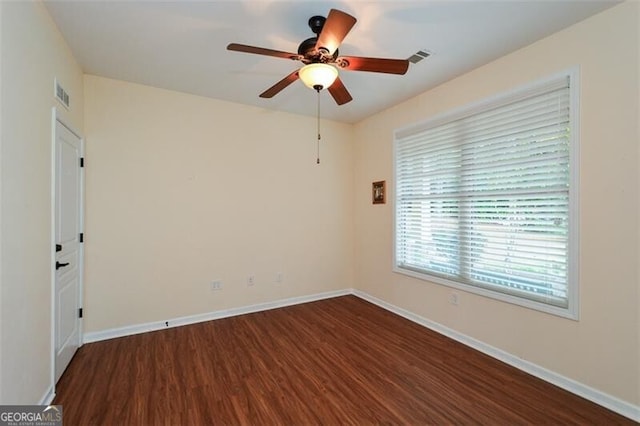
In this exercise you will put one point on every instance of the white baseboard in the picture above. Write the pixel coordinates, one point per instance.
(617, 405)
(614, 404)
(48, 396)
(193, 319)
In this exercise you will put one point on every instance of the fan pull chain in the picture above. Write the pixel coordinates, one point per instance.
(318, 117)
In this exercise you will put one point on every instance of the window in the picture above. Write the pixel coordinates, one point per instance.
(486, 198)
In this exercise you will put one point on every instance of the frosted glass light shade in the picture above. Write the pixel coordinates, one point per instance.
(318, 75)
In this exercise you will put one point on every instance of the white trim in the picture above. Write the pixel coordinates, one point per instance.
(552, 82)
(512, 95)
(491, 294)
(57, 117)
(81, 247)
(61, 118)
(48, 397)
(574, 194)
(193, 319)
(52, 357)
(614, 404)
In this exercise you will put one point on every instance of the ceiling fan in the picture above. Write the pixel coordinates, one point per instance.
(321, 59)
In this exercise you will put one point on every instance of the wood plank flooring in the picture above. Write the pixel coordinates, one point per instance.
(336, 361)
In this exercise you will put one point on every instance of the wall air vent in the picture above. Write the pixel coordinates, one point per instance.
(61, 95)
(418, 56)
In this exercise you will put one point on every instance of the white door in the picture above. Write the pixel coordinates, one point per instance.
(68, 256)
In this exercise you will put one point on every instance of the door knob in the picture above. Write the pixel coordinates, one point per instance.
(60, 265)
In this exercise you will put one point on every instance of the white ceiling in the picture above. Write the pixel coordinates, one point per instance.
(181, 45)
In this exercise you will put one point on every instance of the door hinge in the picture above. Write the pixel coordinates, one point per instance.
(58, 247)
(82, 237)
(81, 161)
(80, 313)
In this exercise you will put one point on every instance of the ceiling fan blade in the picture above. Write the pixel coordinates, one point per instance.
(262, 51)
(335, 29)
(276, 88)
(358, 63)
(339, 92)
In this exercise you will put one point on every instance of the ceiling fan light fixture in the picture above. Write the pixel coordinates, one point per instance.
(318, 75)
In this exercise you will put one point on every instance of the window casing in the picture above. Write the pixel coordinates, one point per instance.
(486, 197)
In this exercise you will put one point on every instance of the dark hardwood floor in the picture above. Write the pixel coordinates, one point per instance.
(336, 361)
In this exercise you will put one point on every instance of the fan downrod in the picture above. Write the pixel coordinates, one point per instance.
(316, 23)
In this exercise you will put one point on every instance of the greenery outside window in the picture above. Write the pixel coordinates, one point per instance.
(486, 197)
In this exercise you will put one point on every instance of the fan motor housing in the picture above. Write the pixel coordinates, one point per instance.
(307, 50)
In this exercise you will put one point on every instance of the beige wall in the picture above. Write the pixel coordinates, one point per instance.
(182, 190)
(602, 349)
(1, 204)
(32, 54)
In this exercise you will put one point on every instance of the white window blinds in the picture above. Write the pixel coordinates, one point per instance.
(482, 198)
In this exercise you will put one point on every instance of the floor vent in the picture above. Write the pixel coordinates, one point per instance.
(61, 94)
(418, 56)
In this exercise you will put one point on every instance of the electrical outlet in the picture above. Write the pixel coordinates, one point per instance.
(279, 277)
(453, 299)
(251, 280)
(216, 285)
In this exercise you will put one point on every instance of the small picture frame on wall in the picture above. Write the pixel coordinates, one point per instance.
(379, 192)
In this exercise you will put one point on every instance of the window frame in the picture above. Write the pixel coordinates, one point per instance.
(522, 92)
